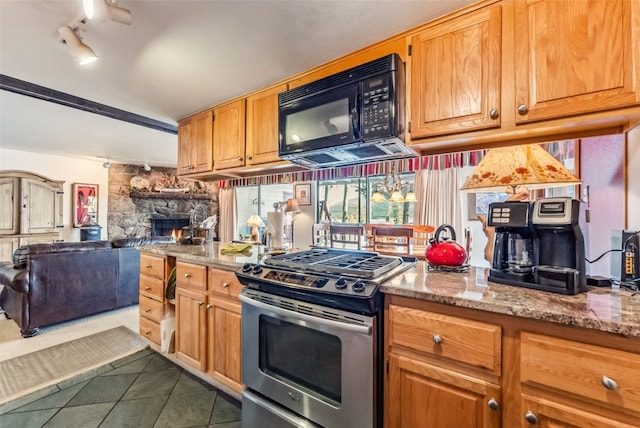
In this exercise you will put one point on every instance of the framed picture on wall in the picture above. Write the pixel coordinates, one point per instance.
(302, 193)
(85, 204)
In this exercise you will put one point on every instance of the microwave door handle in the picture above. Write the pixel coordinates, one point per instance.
(354, 115)
(360, 329)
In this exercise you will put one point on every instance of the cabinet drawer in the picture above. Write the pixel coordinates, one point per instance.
(598, 373)
(152, 309)
(190, 274)
(224, 282)
(152, 287)
(152, 265)
(470, 342)
(150, 330)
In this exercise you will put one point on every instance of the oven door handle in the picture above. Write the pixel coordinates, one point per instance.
(360, 329)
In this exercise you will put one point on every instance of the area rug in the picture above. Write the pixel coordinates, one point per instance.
(31, 372)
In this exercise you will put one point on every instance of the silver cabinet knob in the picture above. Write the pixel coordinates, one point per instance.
(531, 417)
(523, 109)
(437, 339)
(239, 158)
(209, 306)
(225, 285)
(493, 404)
(609, 383)
(200, 303)
(494, 114)
(147, 310)
(147, 332)
(187, 275)
(147, 288)
(249, 157)
(148, 266)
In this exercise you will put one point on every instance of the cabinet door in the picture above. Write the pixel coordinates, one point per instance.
(186, 162)
(7, 248)
(41, 207)
(422, 395)
(202, 141)
(455, 75)
(262, 126)
(191, 328)
(9, 206)
(575, 56)
(224, 326)
(229, 135)
(540, 413)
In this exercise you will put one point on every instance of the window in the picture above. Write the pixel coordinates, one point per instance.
(259, 200)
(348, 201)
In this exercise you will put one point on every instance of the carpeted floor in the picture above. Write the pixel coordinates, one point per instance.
(43, 369)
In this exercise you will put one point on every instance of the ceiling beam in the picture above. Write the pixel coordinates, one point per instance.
(18, 86)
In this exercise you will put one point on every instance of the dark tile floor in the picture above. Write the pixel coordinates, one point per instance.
(143, 390)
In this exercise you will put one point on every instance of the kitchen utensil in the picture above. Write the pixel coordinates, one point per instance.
(445, 251)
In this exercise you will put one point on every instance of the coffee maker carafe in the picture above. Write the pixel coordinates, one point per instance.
(538, 245)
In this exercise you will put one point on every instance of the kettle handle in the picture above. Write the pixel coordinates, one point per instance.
(442, 228)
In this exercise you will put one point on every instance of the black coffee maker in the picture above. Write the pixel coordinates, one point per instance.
(538, 245)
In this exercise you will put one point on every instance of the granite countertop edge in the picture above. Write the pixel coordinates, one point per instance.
(603, 309)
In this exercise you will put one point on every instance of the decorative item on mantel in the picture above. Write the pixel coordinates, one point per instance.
(168, 184)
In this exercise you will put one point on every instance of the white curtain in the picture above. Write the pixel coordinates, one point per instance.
(228, 225)
(439, 185)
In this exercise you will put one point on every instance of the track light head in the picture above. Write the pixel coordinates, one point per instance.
(81, 52)
(107, 164)
(105, 10)
(147, 167)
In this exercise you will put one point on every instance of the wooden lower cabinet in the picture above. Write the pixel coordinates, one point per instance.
(424, 395)
(550, 375)
(224, 358)
(208, 323)
(191, 324)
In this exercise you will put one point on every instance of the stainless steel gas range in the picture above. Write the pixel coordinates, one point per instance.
(311, 338)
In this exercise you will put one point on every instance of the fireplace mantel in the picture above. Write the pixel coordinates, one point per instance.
(170, 195)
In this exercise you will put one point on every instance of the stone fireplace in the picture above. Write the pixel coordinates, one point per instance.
(135, 214)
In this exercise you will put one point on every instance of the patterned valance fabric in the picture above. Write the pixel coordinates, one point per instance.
(454, 160)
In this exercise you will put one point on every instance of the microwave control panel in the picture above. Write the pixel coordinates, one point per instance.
(377, 117)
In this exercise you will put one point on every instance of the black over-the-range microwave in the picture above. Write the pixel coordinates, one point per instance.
(352, 117)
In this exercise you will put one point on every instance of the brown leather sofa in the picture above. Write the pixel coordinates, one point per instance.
(50, 283)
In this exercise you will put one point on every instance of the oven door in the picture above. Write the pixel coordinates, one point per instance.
(316, 361)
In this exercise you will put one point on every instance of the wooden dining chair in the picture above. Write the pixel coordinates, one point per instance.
(343, 236)
(320, 235)
(392, 240)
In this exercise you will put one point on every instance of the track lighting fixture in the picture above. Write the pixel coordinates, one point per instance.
(107, 164)
(81, 52)
(147, 167)
(106, 10)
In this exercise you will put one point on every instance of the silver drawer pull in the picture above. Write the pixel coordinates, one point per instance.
(147, 288)
(225, 284)
(531, 417)
(493, 404)
(148, 266)
(187, 275)
(437, 339)
(609, 383)
(147, 332)
(147, 310)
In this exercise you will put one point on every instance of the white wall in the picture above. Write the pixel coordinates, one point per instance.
(70, 171)
(633, 179)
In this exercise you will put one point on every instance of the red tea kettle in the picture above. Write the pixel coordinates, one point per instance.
(445, 251)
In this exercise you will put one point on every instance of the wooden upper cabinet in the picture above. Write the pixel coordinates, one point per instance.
(9, 206)
(455, 75)
(41, 209)
(262, 126)
(575, 56)
(195, 143)
(229, 134)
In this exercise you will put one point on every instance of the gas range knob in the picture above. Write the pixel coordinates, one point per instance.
(341, 283)
(247, 267)
(256, 269)
(358, 286)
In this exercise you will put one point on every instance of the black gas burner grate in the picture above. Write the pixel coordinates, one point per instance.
(365, 265)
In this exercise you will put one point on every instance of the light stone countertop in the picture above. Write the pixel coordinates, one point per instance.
(604, 309)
